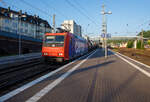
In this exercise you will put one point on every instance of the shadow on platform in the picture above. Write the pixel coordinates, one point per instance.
(92, 67)
(101, 53)
(82, 69)
(116, 92)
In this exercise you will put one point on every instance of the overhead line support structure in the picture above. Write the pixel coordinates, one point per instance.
(104, 28)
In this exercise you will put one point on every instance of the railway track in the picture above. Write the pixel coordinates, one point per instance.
(15, 75)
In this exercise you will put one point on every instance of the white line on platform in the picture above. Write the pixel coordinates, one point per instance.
(134, 60)
(135, 66)
(49, 87)
(28, 85)
(130, 59)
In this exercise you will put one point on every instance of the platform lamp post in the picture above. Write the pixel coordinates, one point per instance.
(18, 31)
(104, 27)
(37, 26)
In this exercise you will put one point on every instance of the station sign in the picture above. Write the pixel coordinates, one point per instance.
(107, 35)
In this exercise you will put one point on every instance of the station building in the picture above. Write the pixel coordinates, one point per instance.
(72, 27)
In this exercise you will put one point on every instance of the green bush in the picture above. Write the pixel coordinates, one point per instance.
(130, 44)
(148, 42)
(139, 45)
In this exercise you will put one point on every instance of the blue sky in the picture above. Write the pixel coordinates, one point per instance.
(128, 16)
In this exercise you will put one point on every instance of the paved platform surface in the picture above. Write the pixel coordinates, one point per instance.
(92, 79)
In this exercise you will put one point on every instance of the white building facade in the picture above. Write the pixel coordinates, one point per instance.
(72, 27)
(28, 26)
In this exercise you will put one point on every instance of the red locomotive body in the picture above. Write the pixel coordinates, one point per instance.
(63, 46)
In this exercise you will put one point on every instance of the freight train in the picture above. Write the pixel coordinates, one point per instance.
(63, 46)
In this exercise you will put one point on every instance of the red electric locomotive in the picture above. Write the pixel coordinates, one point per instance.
(60, 47)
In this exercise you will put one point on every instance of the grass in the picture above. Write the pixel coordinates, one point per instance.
(115, 49)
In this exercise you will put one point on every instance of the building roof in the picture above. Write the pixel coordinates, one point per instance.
(7, 12)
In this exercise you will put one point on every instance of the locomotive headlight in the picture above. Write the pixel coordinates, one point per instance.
(45, 53)
(60, 54)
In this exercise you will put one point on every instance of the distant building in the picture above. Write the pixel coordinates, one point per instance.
(123, 37)
(71, 26)
(96, 38)
(86, 37)
(22, 23)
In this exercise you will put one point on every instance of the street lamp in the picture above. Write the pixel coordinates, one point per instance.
(37, 27)
(19, 21)
(104, 27)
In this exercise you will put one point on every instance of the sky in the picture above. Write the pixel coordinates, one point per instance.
(128, 17)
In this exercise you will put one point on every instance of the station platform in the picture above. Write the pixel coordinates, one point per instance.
(9, 60)
(91, 78)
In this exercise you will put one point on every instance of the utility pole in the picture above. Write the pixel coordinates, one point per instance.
(18, 31)
(104, 28)
(142, 38)
(54, 23)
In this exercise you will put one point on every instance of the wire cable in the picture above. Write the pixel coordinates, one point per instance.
(81, 12)
(47, 5)
(36, 8)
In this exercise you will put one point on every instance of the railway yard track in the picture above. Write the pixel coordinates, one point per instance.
(18, 75)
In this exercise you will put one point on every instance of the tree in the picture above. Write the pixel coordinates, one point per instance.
(139, 45)
(146, 34)
(117, 41)
(148, 42)
(130, 44)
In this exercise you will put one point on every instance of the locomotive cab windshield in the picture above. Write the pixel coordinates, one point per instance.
(54, 41)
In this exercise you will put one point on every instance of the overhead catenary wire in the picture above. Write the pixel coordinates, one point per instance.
(77, 3)
(46, 12)
(58, 12)
(80, 6)
(147, 21)
(43, 11)
(81, 12)
(36, 8)
(9, 4)
(47, 5)
(3, 2)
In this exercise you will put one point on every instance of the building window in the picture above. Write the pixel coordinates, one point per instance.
(32, 26)
(6, 21)
(5, 14)
(24, 18)
(41, 30)
(26, 31)
(14, 30)
(21, 30)
(31, 21)
(26, 25)
(14, 25)
(7, 29)
(21, 23)
(42, 24)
